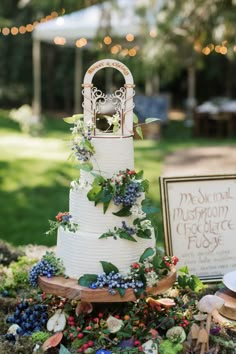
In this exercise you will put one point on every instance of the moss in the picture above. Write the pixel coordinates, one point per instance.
(8, 253)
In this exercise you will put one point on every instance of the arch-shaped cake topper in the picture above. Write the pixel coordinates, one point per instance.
(121, 100)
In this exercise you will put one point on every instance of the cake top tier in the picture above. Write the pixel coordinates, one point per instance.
(116, 109)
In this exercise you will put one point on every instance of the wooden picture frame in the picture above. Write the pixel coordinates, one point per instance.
(199, 222)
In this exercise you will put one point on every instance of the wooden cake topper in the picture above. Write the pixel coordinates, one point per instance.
(121, 100)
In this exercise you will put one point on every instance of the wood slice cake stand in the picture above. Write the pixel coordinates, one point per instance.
(70, 289)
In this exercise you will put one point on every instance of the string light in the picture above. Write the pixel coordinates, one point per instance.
(132, 52)
(206, 50)
(107, 40)
(129, 37)
(81, 42)
(223, 50)
(115, 49)
(153, 33)
(5, 31)
(60, 40)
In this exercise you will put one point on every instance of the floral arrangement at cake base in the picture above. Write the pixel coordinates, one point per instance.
(179, 321)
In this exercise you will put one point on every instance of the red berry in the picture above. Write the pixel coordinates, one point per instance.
(100, 315)
(90, 343)
(78, 329)
(85, 346)
(137, 343)
(88, 328)
(80, 335)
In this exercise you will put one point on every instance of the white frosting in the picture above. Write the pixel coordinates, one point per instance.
(111, 156)
(91, 218)
(82, 252)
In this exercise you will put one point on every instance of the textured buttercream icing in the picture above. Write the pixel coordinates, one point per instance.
(111, 156)
(82, 252)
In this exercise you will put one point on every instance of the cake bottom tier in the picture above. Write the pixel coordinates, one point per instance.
(82, 253)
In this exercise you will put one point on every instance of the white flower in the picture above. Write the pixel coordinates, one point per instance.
(151, 279)
(136, 210)
(114, 324)
(146, 224)
(114, 120)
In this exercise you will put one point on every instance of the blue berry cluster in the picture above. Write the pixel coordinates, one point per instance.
(116, 280)
(81, 153)
(29, 319)
(81, 149)
(129, 196)
(66, 217)
(129, 230)
(43, 267)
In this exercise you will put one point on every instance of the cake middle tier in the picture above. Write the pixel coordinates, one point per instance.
(91, 218)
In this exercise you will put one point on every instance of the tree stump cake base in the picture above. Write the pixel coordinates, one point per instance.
(70, 289)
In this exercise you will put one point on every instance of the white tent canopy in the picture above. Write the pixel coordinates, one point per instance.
(118, 20)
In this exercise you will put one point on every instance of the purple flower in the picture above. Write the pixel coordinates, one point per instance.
(127, 343)
(215, 330)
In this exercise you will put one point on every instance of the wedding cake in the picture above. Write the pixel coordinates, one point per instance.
(105, 204)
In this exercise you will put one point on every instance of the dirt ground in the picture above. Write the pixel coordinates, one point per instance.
(215, 160)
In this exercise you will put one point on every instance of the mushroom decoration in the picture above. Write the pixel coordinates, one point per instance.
(208, 304)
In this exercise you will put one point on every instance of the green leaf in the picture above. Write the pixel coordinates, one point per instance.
(88, 146)
(139, 175)
(139, 293)
(146, 254)
(150, 120)
(107, 234)
(109, 267)
(69, 120)
(63, 350)
(139, 132)
(121, 291)
(86, 166)
(145, 185)
(87, 279)
(73, 119)
(135, 118)
(144, 233)
(156, 261)
(198, 284)
(125, 211)
(184, 270)
(94, 193)
(126, 236)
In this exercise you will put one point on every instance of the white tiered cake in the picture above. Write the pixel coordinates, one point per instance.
(83, 250)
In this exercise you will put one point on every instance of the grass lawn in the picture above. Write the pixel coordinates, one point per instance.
(35, 175)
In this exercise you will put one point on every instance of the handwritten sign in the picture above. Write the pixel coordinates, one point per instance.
(200, 224)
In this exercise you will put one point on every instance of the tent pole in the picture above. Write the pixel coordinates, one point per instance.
(36, 79)
(78, 80)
